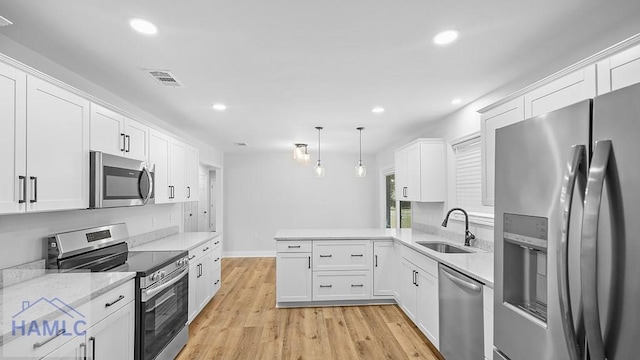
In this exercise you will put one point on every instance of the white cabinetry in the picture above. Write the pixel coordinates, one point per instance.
(500, 116)
(176, 168)
(618, 71)
(116, 134)
(293, 271)
(201, 278)
(76, 349)
(487, 294)
(159, 147)
(421, 171)
(384, 274)
(113, 337)
(341, 270)
(191, 170)
(419, 292)
(57, 145)
(13, 137)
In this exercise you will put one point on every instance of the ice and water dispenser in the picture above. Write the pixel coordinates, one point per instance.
(525, 264)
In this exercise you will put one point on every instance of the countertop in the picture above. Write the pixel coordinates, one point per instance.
(72, 289)
(178, 242)
(478, 265)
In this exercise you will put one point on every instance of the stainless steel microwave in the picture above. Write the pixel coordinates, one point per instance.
(117, 181)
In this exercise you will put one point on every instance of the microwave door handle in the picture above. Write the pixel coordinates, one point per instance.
(147, 173)
(575, 173)
(602, 166)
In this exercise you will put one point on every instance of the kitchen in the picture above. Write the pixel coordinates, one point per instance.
(261, 190)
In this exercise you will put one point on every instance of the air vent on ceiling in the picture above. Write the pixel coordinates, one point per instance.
(165, 78)
(4, 21)
(241, 144)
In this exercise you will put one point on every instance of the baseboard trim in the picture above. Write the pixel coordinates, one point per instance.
(239, 254)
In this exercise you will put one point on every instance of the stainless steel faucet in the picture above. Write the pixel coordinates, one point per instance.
(468, 236)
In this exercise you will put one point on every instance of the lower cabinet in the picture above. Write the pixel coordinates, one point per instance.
(383, 268)
(341, 285)
(293, 276)
(419, 298)
(76, 349)
(204, 276)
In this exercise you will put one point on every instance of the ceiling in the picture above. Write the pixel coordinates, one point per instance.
(283, 67)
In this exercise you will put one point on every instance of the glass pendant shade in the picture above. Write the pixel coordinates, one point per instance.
(301, 153)
(319, 169)
(361, 170)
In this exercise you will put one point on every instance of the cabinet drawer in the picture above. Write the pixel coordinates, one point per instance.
(217, 257)
(420, 260)
(200, 250)
(342, 255)
(111, 301)
(293, 246)
(341, 285)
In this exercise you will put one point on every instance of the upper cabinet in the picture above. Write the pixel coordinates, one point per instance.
(177, 171)
(116, 134)
(176, 176)
(192, 164)
(618, 71)
(421, 171)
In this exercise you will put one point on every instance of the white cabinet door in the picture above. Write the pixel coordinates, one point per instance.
(194, 275)
(72, 350)
(567, 90)
(413, 173)
(13, 122)
(107, 131)
(433, 169)
(58, 148)
(427, 298)
(205, 282)
(113, 337)
(618, 71)
(293, 273)
(136, 137)
(397, 269)
(384, 272)
(192, 163)
(500, 116)
(177, 173)
(159, 147)
(401, 174)
(408, 289)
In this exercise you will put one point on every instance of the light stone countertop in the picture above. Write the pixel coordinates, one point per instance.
(178, 242)
(59, 292)
(478, 265)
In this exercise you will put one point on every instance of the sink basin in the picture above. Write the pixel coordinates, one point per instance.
(443, 247)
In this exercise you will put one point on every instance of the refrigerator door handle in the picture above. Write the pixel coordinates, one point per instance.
(588, 251)
(574, 173)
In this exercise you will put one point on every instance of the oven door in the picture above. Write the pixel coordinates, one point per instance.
(163, 313)
(117, 181)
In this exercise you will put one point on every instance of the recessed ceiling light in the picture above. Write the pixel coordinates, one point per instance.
(143, 26)
(445, 37)
(456, 101)
(219, 107)
(377, 110)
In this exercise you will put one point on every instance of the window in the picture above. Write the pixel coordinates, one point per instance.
(391, 214)
(468, 177)
(405, 214)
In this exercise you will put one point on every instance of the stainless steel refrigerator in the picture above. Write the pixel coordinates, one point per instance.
(567, 233)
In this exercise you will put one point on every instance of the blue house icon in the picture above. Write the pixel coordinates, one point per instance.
(68, 321)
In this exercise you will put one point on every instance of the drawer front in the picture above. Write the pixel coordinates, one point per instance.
(293, 246)
(341, 285)
(111, 301)
(420, 260)
(342, 255)
(196, 253)
(217, 257)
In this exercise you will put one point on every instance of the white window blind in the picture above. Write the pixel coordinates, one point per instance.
(469, 175)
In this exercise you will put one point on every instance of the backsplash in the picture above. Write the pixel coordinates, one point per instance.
(152, 236)
(20, 273)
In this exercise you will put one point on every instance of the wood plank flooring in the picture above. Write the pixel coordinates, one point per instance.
(242, 322)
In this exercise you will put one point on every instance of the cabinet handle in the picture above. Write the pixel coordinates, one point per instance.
(216, 260)
(128, 143)
(357, 285)
(326, 286)
(357, 255)
(114, 301)
(413, 277)
(309, 262)
(83, 348)
(217, 242)
(43, 343)
(200, 270)
(376, 260)
(93, 348)
(326, 256)
(294, 246)
(35, 189)
(188, 192)
(205, 249)
(216, 283)
(191, 257)
(23, 181)
(123, 141)
(173, 192)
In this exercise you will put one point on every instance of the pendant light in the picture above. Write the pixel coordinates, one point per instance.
(361, 170)
(319, 169)
(301, 153)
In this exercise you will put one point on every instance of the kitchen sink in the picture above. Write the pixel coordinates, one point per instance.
(443, 247)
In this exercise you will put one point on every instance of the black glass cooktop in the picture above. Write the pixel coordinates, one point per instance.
(147, 262)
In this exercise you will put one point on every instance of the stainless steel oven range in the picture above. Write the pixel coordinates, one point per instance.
(161, 283)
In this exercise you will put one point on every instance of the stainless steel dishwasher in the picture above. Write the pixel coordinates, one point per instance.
(461, 325)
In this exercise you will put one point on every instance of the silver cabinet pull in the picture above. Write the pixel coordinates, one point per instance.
(34, 179)
(575, 173)
(357, 255)
(326, 286)
(45, 342)
(23, 193)
(128, 143)
(83, 348)
(114, 301)
(188, 192)
(413, 275)
(357, 285)
(326, 256)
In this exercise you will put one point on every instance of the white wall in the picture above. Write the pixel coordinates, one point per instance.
(266, 192)
(22, 236)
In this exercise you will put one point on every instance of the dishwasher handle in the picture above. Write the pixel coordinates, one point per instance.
(460, 282)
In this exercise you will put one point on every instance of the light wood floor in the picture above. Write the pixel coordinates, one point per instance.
(241, 322)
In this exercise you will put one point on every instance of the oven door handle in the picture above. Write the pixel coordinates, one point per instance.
(146, 294)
